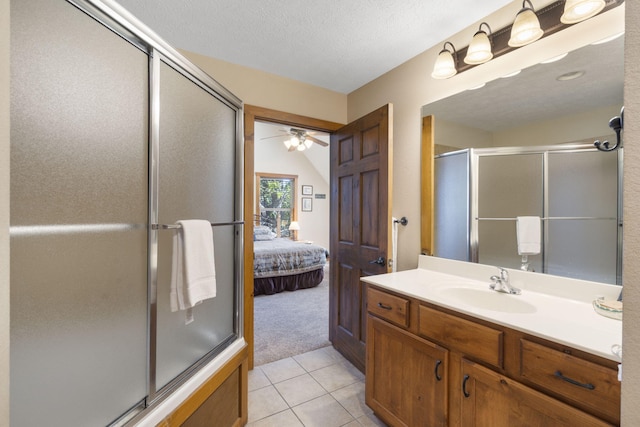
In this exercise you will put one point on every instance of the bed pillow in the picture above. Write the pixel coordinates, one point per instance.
(262, 237)
(261, 229)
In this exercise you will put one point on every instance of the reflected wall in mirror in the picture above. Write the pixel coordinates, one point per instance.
(549, 121)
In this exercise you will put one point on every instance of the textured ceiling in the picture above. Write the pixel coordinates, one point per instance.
(336, 44)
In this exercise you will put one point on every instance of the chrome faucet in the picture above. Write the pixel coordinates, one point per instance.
(501, 283)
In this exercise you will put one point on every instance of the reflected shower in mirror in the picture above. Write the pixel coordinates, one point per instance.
(523, 146)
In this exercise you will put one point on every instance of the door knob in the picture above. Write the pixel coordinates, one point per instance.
(380, 261)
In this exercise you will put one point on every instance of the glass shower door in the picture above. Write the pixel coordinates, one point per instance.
(79, 206)
(508, 186)
(196, 180)
(583, 210)
(451, 206)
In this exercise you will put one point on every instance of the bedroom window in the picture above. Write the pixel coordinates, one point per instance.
(276, 201)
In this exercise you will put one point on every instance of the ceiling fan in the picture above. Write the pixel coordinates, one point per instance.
(298, 139)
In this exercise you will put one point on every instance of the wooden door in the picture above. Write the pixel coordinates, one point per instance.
(493, 400)
(360, 238)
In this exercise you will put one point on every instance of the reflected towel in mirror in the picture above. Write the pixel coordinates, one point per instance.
(528, 235)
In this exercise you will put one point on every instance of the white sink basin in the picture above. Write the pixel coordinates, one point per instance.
(487, 299)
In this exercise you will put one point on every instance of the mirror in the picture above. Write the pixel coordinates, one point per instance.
(563, 104)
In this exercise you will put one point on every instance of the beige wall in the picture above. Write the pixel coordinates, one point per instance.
(267, 90)
(4, 213)
(584, 127)
(458, 136)
(631, 277)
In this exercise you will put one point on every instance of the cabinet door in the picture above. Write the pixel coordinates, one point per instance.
(406, 379)
(493, 400)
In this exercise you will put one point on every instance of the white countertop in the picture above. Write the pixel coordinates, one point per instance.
(550, 307)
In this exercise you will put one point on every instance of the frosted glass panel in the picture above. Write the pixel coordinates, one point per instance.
(78, 218)
(583, 184)
(451, 207)
(510, 186)
(197, 175)
(583, 249)
(497, 246)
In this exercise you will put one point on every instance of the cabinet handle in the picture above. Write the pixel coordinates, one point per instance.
(438, 363)
(384, 306)
(464, 386)
(588, 386)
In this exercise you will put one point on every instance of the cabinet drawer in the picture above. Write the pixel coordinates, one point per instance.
(472, 339)
(389, 307)
(580, 381)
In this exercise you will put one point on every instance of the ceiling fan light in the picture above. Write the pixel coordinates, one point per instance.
(445, 65)
(308, 143)
(579, 10)
(526, 27)
(287, 143)
(300, 147)
(294, 141)
(479, 50)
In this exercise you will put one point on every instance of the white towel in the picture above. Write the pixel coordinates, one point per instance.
(528, 235)
(193, 271)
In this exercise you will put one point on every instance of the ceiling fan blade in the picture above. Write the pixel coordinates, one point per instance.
(292, 148)
(317, 141)
(275, 136)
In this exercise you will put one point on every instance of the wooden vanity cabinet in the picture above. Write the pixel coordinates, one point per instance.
(493, 400)
(489, 375)
(406, 377)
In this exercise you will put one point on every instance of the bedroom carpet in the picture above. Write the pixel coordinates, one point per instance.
(291, 323)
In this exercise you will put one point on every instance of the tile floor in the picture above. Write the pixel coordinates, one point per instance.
(319, 388)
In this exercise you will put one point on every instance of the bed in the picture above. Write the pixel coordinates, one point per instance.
(281, 264)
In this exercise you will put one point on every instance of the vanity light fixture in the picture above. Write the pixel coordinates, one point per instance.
(579, 10)
(445, 65)
(479, 50)
(526, 27)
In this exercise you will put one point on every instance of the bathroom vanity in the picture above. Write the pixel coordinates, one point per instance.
(444, 349)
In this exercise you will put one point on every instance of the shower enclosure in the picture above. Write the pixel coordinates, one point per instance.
(573, 188)
(114, 135)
